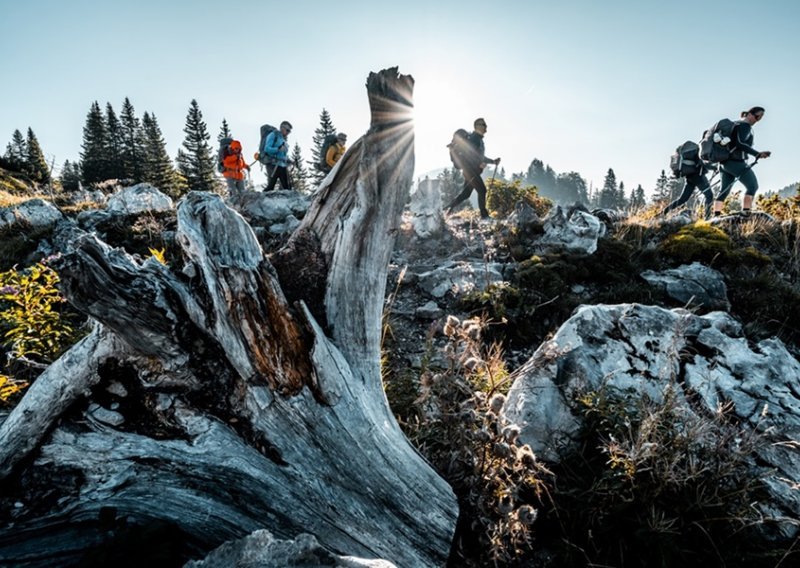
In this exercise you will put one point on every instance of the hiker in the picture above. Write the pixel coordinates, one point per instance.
(336, 150)
(471, 162)
(736, 167)
(695, 180)
(277, 149)
(233, 168)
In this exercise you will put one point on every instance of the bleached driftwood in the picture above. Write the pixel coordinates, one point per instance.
(223, 407)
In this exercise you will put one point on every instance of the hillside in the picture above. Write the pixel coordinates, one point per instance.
(473, 311)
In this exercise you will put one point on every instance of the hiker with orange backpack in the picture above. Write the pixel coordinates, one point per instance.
(233, 166)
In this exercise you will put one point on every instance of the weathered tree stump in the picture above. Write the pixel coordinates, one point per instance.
(207, 399)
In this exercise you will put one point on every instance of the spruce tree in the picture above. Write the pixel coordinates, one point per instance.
(571, 188)
(324, 130)
(621, 203)
(224, 131)
(114, 167)
(132, 143)
(608, 195)
(197, 163)
(36, 165)
(662, 191)
(70, 177)
(93, 154)
(298, 171)
(17, 152)
(639, 200)
(158, 168)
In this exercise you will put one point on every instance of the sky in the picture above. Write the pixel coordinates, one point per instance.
(583, 85)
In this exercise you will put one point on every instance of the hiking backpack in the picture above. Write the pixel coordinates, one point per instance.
(329, 141)
(715, 145)
(265, 131)
(459, 148)
(224, 150)
(686, 159)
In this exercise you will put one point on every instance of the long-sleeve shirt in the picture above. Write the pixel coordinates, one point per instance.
(276, 148)
(742, 141)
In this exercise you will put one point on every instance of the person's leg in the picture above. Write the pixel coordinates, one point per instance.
(750, 182)
(231, 183)
(727, 178)
(283, 174)
(272, 172)
(465, 192)
(240, 185)
(480, 188)
(708, 195)
(688, 188)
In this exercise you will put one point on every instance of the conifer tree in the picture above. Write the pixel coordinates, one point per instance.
(93, 154)
(571, 188)
(608, 195)
(621, 202)
(298, 171)
(662, 190)
(132, 143)
(325, 129)
(36, 165)
(158, 168)
(197, 163)
(17, 152)
(70, 176)
(451, 182)
(224, 131)
(114, 167)
(638, 201)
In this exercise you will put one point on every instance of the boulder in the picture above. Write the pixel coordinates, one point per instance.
(426, 209)
(692, 283)
(36, 213)
(261, 549)
(460, 278)
(577, 233)
(704, 362)
(270, 208)
(139, 198)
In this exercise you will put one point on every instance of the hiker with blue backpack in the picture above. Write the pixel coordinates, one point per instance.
(468, 155)
(735, 167)
(276, 156)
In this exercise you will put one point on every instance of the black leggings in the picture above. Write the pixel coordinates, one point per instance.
(693, 181)
(282, 173)
(472, 180)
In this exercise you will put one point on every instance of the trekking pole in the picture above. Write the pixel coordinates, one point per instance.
(494, 174)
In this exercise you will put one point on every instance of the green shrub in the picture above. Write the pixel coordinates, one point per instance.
(503, 196)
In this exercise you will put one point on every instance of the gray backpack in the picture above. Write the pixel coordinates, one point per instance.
(686, 160)
(223, 151)
(262, 155)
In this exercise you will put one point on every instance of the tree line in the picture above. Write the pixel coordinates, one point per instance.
(131, 149)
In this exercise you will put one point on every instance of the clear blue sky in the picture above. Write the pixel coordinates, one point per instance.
(582, 85)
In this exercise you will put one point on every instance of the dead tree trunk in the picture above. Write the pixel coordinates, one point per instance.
(211, 401)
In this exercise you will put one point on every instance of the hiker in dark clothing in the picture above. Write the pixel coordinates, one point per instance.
(696, 180)
(736, 166)
(471, 162)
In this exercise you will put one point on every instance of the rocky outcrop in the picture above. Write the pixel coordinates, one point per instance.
(694, 284)
(646, 352)
(262, 549)
(577, 233)
(426, 209)
(36, 213)
(139, 198)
